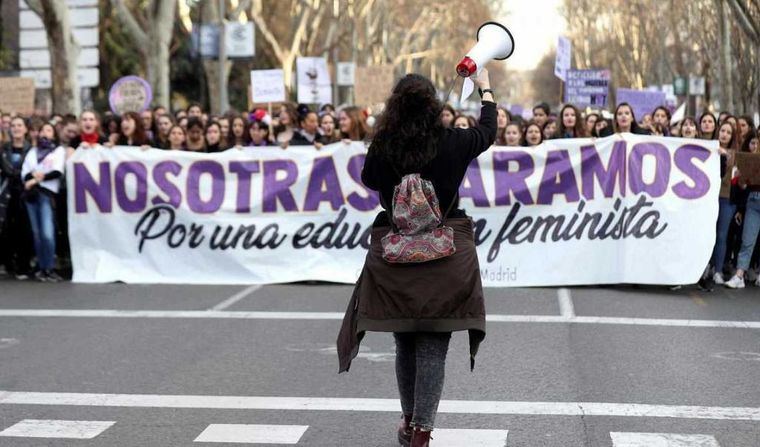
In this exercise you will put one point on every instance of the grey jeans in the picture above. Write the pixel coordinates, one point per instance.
(420, 369)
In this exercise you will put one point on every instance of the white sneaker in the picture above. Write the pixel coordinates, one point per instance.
(757, 281)
(735, 283)
(718, 278)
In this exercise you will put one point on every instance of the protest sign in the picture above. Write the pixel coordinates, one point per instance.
(267, 86)
(314, 85)
(642, 101)
(346, 73)
(587, 88)
(130, 94)
(17, 95)
(749, 168)
(562, 61)
(373, 84)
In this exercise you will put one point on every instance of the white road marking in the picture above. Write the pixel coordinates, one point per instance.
(661, 440)
(8, 342)
(236, 297)
(252, 434)
(211, 314)
(743, 356)
(566, 307)
(471, 438)
(379, 405)
(39, 428)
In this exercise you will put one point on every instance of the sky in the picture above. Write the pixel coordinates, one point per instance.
(535, 26)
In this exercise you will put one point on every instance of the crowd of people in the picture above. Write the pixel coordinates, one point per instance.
(33, 151)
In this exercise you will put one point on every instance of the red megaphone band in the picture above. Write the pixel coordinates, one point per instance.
(467, 67)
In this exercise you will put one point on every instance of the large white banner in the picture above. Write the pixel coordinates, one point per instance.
(624, 209)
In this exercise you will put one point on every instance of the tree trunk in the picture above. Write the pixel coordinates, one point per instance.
(210, 16)
(160, 37)
(64, 53)
(158, 66)
(153, 42)
(727, 102)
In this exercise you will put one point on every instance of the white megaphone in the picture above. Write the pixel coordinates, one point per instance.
(494, 42)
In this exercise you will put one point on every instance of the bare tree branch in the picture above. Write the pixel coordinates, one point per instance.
(133, 27)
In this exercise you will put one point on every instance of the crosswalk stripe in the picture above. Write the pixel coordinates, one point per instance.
(337, 316)
(622, 439)
(470, 437)
(45, 428)
(379, 405)
(252, 433)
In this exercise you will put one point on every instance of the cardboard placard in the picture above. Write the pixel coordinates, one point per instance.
(267, 86)
(749, 168)
(17, 95)
(373, 84)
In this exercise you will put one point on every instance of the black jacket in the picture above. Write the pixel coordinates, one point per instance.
(6, 166)
(456, 149)
(300, 140)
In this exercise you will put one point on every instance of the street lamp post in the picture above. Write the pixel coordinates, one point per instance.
(223, 101)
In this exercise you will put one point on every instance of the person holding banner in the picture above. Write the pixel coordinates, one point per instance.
(238, 130)
(688, 128)
(512, 135)
(661, 116)
(284, 130)
(625, 120)
(258, 134)
(213, 136)
(353, 124)
(727, 197)
(308, 130)
(15, 237)
(42, 171)
(532, 135)
(89, 132)
(327, 129)
(421, 303)
(591, 120)
(177, 138)
(502, 120)
(570, 124)
(707, 126)
(745, 128)
(751, 226)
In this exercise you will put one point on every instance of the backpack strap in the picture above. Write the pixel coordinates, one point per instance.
(388, 212)
(451, 205)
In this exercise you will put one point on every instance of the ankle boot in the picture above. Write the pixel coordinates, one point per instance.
(420, 437)
(404, 431)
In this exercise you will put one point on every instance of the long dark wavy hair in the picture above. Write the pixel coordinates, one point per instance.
(409, 128)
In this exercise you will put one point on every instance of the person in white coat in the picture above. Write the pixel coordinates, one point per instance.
(42, 172)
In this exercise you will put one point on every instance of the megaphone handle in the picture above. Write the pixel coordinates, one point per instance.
(467, 88)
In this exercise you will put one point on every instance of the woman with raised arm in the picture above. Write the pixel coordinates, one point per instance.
(423, 294)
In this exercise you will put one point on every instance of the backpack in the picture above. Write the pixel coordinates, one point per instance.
(417, 231)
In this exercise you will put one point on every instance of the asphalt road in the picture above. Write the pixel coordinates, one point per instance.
(162, 365)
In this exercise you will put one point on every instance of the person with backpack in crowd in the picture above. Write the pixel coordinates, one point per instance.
(400, 289)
